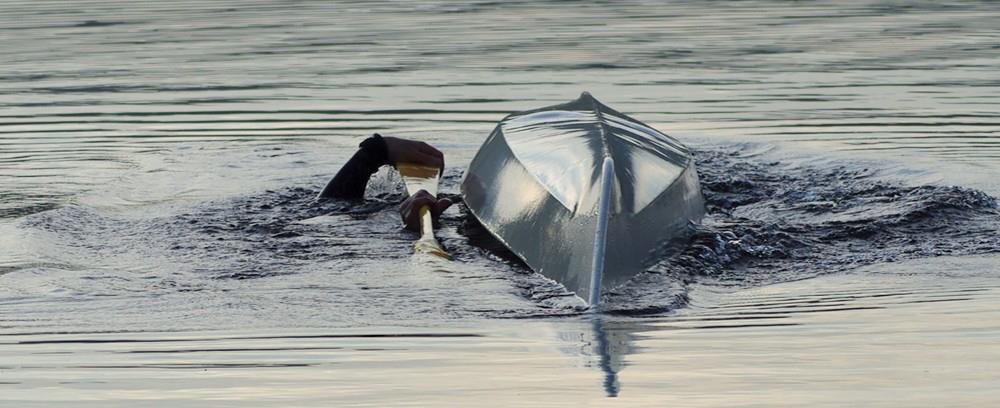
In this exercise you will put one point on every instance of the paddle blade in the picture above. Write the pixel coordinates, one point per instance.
(417, 177)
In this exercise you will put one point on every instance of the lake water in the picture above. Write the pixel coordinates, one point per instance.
(160, 245)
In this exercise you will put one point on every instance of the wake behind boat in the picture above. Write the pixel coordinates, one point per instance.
(583, 194)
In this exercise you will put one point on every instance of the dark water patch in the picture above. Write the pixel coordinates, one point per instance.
(794, 311)
(935, 301)
(944, 84)
(97, 23)
(697, 81)
(248, 237)
(226, 350)
(81, 332)
(25, 77)
(16, 132)
(732, 326)
(16, 205)
(288, 337)
(231, 28)
(30, 265)
(379, 69)
(266, 113)
(157, 102)
(281, 51)
(772, 222)
(590, 66)
(323, 44)
(121, 88)
(198, 366)
(82, 24)
(242, 121)
(923, 136)
(928, 125)
(469, 100)
(719, 318)
(826, 298)
(267, 234)
(275, 129)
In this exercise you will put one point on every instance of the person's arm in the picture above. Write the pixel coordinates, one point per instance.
(375, 152)
(351, 180)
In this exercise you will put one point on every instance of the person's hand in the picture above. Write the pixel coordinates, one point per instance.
(409, 210)
(412, 151)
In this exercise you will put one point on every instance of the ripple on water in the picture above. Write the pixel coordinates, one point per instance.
(767, 222)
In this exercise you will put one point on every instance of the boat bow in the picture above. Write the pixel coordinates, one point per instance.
(536, 184)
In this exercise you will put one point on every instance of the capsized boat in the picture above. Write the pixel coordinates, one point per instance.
(583, 194)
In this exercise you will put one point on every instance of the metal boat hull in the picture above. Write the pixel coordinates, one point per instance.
(535, 185)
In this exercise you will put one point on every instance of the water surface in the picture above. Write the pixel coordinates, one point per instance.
(159, 241)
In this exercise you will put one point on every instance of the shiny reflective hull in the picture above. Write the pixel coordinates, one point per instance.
(535, 184)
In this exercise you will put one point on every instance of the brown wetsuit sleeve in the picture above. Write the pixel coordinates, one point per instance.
(351, 180)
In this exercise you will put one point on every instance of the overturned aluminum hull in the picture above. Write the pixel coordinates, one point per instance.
(540, 180)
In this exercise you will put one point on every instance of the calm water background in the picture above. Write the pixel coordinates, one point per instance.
(145, 146)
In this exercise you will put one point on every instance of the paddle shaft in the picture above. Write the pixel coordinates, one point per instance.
(416, 178)
(426, 224)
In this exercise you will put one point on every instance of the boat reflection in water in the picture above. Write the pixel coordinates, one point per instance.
(611, 347)
(601, 344)
(539, 181)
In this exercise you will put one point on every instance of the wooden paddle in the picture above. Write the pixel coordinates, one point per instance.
(418, 177)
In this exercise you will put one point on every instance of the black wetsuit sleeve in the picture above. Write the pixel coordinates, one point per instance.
(351, 180)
